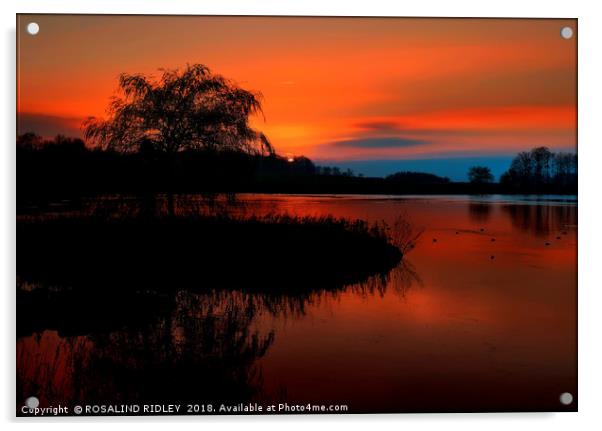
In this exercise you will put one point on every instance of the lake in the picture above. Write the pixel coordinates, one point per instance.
(480, 316)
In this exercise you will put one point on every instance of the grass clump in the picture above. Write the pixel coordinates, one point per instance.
(271, 252)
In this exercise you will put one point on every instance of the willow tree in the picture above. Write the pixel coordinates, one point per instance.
(181, 110)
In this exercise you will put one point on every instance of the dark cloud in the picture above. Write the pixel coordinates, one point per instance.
(48, 126)
(391, 128)
(391, 142)
(380, 126)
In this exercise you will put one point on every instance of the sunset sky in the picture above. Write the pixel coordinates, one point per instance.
(376, 95)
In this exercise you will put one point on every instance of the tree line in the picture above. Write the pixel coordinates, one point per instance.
(537, 171)
(189, 131)
(541, 169)
(65, 168)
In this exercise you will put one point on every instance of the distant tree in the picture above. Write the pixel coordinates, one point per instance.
(412, 178)
(480, 175)
(302, 166)
(522, 165)
(541, 169)
(335, 171)
(521, 172)
(565, 168)
(182, 110)
(69, 144)
(542, 158)
(509, 178)
(29, 141)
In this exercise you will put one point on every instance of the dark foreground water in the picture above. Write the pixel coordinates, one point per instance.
(480, 316)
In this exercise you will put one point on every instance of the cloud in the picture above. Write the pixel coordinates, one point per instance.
(385, 127)
(371, 143)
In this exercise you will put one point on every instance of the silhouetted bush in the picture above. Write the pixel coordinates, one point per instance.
(132, 254)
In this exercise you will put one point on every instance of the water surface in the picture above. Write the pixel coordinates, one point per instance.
(480, 316)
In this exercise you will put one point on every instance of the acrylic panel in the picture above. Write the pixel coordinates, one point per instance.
(278, 215)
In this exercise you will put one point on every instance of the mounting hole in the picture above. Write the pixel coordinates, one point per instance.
(33, 28)
(566, 32)
(32, 402)
(566, 398)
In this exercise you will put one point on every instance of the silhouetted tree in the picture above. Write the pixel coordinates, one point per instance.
(541, 170)
(521, 169)
(542, 157)
(480, 175)
(335, 171)
(523, 164)
(413, 178)
(29, 141)
(565, 169)
(189, 109)
(302, 166)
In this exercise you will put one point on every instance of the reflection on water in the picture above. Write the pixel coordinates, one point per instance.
(204, 349)
(479, 212)
(482, 319)
(542, 220)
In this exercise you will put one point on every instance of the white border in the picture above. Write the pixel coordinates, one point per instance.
(590, 238)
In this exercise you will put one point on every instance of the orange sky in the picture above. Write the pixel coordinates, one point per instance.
(334, 88)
